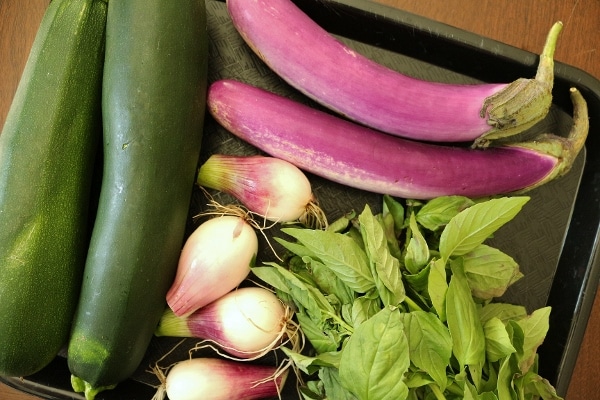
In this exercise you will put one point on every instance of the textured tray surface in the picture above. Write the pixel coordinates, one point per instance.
(422, 48)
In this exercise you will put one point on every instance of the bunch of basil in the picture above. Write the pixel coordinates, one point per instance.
(399, 305)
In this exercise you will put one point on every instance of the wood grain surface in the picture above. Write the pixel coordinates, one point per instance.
(522, 23)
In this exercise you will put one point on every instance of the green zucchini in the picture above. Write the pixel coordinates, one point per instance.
(153, 106)
(47, 151)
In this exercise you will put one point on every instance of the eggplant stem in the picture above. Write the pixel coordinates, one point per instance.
(524, 102)
(545, 71)
(565, 149)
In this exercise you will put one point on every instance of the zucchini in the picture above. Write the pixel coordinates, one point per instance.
(47, 152)
(153, 106)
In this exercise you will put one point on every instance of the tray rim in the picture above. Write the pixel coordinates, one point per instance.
(565, 75)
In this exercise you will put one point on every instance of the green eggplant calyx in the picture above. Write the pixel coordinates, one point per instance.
(524, 102)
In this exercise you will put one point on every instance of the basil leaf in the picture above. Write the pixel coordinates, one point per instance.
(313, 390)
(469, 228)
(299, 266)
(463, 320)
(505, 378)
(304, 295)
(332, 385)
(470, 392)
(481, 396)
(346, 313)
(488, 396)
(322, 340)
(340, 253)
(491, 384)
(395, 209)
(384, 267)
(497, 340)
(437, 212)
(417, 250)
(517, 336)
(429, 343)
(272, 277)
(537, 385)
(476, 372)
(341, 224)
(329, 283)
(502, 311)
(375, 358)
(364, 308)
(419, 281)
(387, 221)
(535, 327)
(490, 271)
(310, 365)
(438, 287)
(417, 379)
(296, 248)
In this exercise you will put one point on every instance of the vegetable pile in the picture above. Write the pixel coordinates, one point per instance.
(398, 304)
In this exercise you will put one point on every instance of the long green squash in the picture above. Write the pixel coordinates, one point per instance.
(153, 105)
(47, 150)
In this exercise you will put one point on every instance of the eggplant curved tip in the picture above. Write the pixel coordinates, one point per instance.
(581, 122)
(577, 136)
(564, 149)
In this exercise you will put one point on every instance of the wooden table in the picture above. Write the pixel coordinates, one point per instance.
(521, 23)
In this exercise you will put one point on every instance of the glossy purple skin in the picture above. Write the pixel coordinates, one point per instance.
(326, 70)
(356, 156)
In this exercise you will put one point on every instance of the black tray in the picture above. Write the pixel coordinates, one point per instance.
(555, 239)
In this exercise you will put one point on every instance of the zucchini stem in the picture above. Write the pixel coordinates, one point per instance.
(90, 391)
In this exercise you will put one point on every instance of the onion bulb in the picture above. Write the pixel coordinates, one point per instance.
(215, 259)
(247, 322)
(217, 379)
(270, 187)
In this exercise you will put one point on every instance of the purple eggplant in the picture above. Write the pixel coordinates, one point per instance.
(351, 154)
(331, 73)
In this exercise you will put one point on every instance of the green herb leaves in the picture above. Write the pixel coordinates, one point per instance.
(377, 347)
(339, 252)
(400, 305)
(385, 268)
(470, 228)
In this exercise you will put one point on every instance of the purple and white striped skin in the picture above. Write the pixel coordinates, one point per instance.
(218, 379)
(271, 187)
(359, 157)
(247, 322)
(326, 70)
